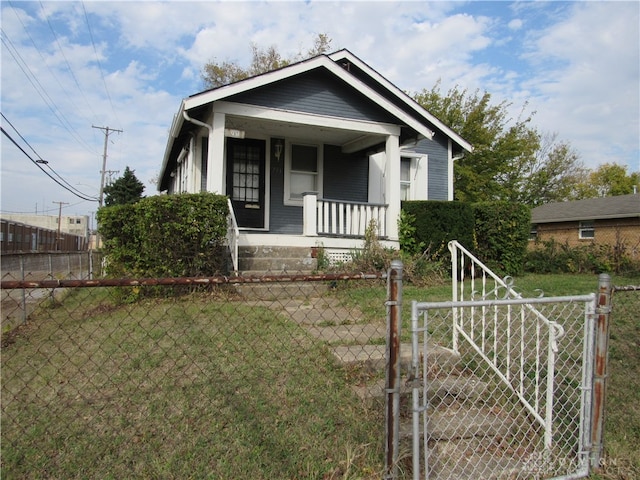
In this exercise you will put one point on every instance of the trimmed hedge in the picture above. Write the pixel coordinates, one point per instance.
(436, 223)
(496, 232)
(502, 235)
(165, 236)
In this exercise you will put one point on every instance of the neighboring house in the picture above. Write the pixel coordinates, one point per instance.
(603, 221)
(311, 153)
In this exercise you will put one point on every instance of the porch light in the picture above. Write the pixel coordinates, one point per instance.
(277, 148)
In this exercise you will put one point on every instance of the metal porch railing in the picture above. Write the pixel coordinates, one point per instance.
(476, 318)
(233, 235)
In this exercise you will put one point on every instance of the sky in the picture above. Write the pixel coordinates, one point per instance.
(71, 69)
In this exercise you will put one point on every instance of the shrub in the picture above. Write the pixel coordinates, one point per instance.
(554, 257)
(502, 235)
(168, 235)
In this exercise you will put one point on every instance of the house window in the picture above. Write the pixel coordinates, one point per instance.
(586, 230)
(405, 178)
(303, 172)
(533, 233)
(203, 164)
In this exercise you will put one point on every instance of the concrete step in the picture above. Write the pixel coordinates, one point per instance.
(474, 458)
(445, 391)
(373, 357)
(280, 290)
(461, 422)
(266, 260)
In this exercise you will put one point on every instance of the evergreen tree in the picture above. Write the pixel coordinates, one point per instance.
(124, 190)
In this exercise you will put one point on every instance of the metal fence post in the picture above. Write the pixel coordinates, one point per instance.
(392, 384)
(24, 298)
(600, 361)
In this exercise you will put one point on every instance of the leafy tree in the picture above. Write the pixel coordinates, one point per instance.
(609, 179)
(216, 74)
(124, 190)
(501, 146)
(553, 175)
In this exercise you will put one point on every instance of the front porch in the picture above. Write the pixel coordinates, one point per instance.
(335, 226)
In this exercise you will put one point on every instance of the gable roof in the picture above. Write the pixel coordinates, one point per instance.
(368, 82)
(345, 55)
(620, 206)
(388, 96)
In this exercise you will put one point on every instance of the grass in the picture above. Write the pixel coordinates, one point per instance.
(207, 387)
(197, 388)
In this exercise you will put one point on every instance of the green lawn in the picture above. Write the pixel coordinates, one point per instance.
(195, 388)
(209, 387)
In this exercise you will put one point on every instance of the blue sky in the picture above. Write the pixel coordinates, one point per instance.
(68, 66)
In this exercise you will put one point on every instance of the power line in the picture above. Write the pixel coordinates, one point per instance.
(95, 50)
(41, 162)
(33, 79)
(44, 62)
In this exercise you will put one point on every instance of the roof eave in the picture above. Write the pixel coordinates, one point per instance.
(403, 97)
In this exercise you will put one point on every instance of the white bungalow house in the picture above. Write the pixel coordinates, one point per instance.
(310, 154)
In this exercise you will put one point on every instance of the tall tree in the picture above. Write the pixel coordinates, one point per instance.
(126, 189)
(607, 180)
(216, 74)
(553, 175)
(501, 145)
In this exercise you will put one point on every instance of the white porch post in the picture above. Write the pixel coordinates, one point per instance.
(310, 214)
(392, 185)
(215, 159)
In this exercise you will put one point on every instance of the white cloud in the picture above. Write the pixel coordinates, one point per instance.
(587, 85)
(515, 24)
(577, 64)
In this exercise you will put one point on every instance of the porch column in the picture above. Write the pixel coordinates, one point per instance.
(215, 159)
(310, 214)
(392, 185)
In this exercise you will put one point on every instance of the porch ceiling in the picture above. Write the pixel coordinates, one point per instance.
(333, 136)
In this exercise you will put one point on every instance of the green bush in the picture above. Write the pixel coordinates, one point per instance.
(433, 224)
(555, 257)
(168, 235)
(502, 235)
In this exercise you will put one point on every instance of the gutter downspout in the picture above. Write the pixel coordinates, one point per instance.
(196, 122)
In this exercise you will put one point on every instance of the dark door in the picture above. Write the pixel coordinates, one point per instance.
(245, 180)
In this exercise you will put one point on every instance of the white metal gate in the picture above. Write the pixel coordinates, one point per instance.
(501, 385)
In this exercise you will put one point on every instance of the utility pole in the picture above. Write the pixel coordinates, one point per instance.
(110, 174)
(59, 223)
(107, 131)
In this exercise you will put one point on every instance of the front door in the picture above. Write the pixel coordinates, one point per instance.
(245, 180)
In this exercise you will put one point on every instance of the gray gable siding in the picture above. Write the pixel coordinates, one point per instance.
(345, 176)
(438, 154)
(317, 92)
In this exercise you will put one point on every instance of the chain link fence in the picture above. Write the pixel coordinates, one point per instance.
(193, 378)
(506, 402)
(277, 376)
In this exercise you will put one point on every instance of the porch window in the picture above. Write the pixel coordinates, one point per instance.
(303, 172)
(586, 230)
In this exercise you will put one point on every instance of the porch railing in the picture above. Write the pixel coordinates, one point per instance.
(233, 234)
(342, 218)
